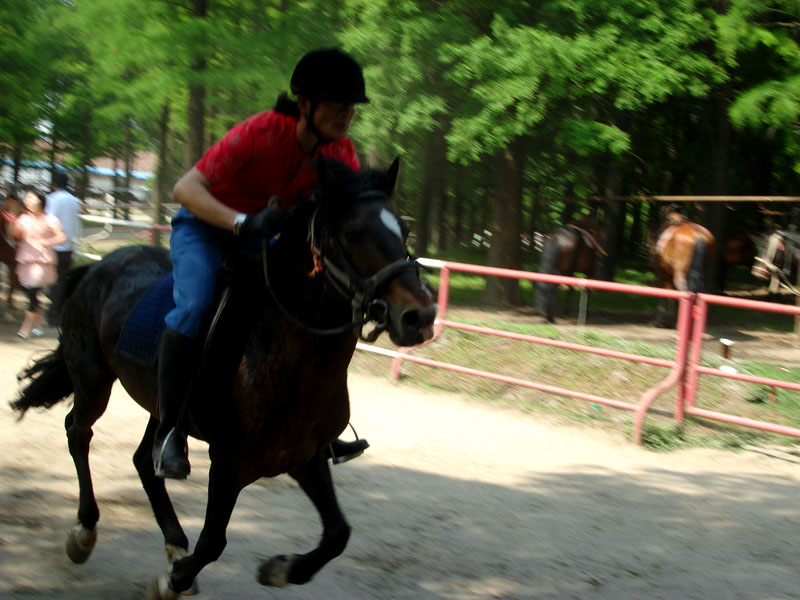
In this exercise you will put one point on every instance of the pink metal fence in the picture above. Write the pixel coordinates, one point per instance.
(683, 369)
(695, 369)
(676, 366)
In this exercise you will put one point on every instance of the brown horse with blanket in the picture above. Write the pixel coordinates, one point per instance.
(681, 255)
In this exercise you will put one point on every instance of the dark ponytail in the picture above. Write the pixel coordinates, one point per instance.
(286, 106)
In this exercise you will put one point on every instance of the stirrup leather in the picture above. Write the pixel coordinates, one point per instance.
(158, 465)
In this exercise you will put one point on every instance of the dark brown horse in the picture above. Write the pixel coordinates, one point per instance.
(570, 249)
(681, 255)
(8, 246)
(301, 305)
(739, 248)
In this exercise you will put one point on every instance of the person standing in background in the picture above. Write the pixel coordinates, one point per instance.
(66, 208)
(36, 233)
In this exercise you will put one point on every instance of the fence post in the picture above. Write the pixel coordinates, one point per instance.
(686, 320)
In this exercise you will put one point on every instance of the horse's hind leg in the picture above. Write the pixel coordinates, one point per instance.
(315, 479)
(90, 403)
(175, 540)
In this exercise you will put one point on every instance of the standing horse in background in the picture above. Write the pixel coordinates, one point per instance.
(570, 249)
(8, 246)
(778, 261)
(739, 248)
(681, 257)
(271, 394)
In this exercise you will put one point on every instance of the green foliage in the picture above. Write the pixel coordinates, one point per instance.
(578, 87)
(588, 138)
(764, 33)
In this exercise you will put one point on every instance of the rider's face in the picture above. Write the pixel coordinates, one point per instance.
(332, 119)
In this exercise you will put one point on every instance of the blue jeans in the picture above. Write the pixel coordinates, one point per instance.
(197, 250)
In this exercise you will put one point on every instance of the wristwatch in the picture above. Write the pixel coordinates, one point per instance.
(237, 222)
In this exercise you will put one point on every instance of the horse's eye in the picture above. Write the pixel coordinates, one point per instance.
(353, 236)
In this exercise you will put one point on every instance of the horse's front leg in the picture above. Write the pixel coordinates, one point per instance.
(175, 541)
(315, 479)
(223, 490)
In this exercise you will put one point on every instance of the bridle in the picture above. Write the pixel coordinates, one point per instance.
(345, 279)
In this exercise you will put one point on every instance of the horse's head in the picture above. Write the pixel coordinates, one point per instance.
(674, 214)
(774, 261)
(360, 244)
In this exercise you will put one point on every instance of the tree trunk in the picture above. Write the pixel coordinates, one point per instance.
(127, 196)
(442, 208)
(568, 210)
(612, 223)
(82, 187)
(16, 155)
(195, 142)
(161, 192)
(52, 153)
(114, 185)
(634, 237)
(432, 185)
(458, 207)
(716, 211)
(507, 228)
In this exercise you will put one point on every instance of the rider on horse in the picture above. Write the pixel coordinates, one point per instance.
(237, 192)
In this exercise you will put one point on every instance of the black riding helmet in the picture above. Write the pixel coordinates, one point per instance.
(329, 74)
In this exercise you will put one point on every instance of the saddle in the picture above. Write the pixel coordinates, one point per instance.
(141, 334)
(588, 239)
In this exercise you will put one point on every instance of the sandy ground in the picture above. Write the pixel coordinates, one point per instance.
(454, 500)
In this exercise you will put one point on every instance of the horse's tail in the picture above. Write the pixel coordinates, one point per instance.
(48, 383)
(71, 280)
(696, 279)
(546, 292)
(62, 292)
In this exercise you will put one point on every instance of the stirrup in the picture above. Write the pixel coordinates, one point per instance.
(158, 463)
(359, 446)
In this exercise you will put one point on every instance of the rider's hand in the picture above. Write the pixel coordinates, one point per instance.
(267, 223)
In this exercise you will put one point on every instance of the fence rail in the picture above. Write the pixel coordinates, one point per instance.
(684, 368)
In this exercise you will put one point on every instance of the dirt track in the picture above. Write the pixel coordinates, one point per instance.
(455, 500)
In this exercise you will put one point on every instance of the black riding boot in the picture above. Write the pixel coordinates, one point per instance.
(340, 451)
(177, 365)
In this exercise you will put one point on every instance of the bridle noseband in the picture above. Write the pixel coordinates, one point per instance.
(345, 279)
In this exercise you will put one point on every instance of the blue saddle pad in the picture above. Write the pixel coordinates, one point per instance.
(141, 334)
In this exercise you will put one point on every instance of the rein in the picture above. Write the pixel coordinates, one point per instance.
(347, 282)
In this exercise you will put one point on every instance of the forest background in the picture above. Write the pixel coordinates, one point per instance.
(510, 116)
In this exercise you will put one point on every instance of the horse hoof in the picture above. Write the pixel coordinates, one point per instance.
(80, 543)
(174, 554)
(275, 571)
(160, 590)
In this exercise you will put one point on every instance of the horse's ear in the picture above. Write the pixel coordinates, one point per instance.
(390, 177)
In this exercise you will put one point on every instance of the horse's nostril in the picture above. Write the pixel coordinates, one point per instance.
(417, 318)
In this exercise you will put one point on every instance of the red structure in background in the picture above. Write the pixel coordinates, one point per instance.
(683, 369)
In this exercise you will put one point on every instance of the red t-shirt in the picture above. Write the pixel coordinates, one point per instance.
(260, 158)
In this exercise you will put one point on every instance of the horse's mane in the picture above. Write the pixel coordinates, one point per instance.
(338, 182)
(338, 188)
